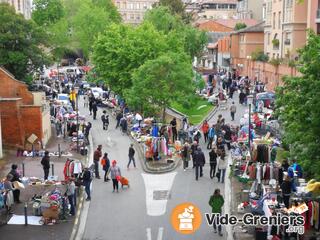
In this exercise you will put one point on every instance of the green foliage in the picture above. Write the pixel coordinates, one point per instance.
(240, 26)
(76, 23)
(275, 61)
(275, 42)
(121, 49)
(259, 55)
(20, 42)
(47, 12)
(192, 39)
(298, 105)
(292, 63)
(159, 81)
(177, 7)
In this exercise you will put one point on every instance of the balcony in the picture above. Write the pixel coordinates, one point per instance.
(318, 16)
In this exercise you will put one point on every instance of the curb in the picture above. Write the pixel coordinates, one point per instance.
(83, 207)
(146, 168)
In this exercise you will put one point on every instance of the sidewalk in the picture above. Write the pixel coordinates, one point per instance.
(63, 229)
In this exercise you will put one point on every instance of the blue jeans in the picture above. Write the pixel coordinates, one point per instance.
(131, 159)
(87, 188)
(222, 175)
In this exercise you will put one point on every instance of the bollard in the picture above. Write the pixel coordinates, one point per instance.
(23, 170)
(52, 169)
(25, 214)
(59, 150)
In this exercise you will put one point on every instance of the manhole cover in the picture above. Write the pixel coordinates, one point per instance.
(161, 195)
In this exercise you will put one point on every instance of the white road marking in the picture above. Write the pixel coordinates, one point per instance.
(160, 234)
(154, 183)
(149, 234)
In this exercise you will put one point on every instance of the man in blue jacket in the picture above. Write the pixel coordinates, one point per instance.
(211, 135)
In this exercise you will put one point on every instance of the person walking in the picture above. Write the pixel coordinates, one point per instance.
(173, 124)
(205, 130)
(105, 162)
(222, 166)
(105, 120)
(124, 125)
(94, 110)
(87, 178)
(287, 188)
(15, 177)
(115, 175)
(213, 162)
(185, 155)
(91, 100)
(211, 135)
(87, 131)
(199, 160)
(71, 190)
(96, 157)
(118, 118)
(233, 110)
(131, 156)
(85, 101)
(45, 162)
(216, 202)
(193, 147)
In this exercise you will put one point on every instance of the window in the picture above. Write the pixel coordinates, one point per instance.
(19, 5)
(269, 35)
(274, 21)
(118, 5)
(131, 16)
(279, 21)
(138, 6)
(138, 17)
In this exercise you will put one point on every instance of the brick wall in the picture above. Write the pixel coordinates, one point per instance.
(265, 72)
(12, 88)
(11, 123)
(32, 120)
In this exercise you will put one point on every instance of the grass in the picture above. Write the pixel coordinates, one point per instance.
(197, 112)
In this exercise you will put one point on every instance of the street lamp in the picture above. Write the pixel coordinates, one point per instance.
(77, 106)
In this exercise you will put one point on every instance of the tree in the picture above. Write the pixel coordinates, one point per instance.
(47, 12)
(121, 49)
(160, 81)
(110, 8)
(21, 43)
(192, 39)
(298, 107)
(176, 7)
(240, 26)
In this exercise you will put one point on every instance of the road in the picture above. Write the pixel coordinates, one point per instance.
(132, 213)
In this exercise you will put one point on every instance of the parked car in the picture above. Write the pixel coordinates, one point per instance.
(97, 92)
(63, 98)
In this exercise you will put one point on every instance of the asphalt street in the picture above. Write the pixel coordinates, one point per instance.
(132, 213)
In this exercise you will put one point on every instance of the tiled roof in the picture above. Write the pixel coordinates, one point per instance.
(255, 28)
(231, 23)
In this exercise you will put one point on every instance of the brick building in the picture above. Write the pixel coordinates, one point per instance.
(22, 115)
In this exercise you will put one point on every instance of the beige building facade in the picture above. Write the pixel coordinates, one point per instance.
(217, 9)
(131, 11)
(21, 6)
(247, 9)
(285, 27)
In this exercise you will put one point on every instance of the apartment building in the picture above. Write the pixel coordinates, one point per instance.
(313, 21)
(218, 9)
(250, 9)
(21, 6)
(285, 27)
(132, 11)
